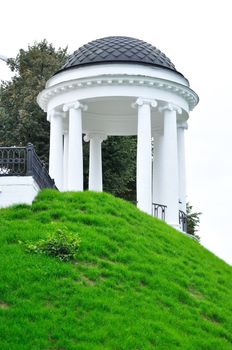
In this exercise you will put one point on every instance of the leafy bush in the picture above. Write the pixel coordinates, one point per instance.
(62, 244)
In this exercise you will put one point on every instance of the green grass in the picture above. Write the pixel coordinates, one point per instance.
(137, 284)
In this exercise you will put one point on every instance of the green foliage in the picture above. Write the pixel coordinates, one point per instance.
(62, 244)
(138, 283)
(193, 221)
(119, 166)
(21, 119)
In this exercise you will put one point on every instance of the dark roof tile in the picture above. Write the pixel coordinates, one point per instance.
(118, 49)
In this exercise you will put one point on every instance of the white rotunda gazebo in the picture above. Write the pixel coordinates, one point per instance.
(121, 86)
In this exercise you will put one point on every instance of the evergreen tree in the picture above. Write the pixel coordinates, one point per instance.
(193, 221)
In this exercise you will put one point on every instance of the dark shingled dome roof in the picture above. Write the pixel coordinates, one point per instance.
(115, 49)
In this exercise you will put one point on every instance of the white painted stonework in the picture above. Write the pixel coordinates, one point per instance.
(121, 99)
(17, 190)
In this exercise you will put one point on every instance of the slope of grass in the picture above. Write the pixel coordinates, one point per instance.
(137, 284)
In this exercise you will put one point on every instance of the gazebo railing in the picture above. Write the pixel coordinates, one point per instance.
(13, 161)
(159, 210)
(23, 161)
(183, 220)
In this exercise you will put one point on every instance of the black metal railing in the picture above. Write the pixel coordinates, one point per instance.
(183, 221)
(23, 161)
(159, 210)
(13, 161)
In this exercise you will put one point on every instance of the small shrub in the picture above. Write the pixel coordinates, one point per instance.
(193, 221)
(61, 244)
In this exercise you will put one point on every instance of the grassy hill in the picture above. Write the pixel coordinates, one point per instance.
(137, 283)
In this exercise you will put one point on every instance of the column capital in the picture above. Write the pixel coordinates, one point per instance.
(170, 107)
(55, 113)
(95, 135)
(142, 101)
(182, 125)
(74, 105)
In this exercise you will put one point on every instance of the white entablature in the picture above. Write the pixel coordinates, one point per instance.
(106, 97)
(113, 76)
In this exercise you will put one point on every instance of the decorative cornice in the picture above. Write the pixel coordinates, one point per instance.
(120, 80)
(170, 107)
(74, 105)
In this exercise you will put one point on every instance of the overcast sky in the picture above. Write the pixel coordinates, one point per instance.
(196, 36)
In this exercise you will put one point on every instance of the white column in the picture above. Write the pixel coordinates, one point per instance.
(95, 161)
(170, 186)
(56, 148)
(75, 149)
(65, 161)
(181, 127)
(144, 155)
(157, 168)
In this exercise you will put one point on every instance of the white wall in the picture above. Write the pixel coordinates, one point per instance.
(17, 190)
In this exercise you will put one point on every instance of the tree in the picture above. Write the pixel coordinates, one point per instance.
(119, 166)
(193, 221)
(22, 120)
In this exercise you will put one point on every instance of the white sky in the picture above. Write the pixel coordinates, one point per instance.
(196, 36)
